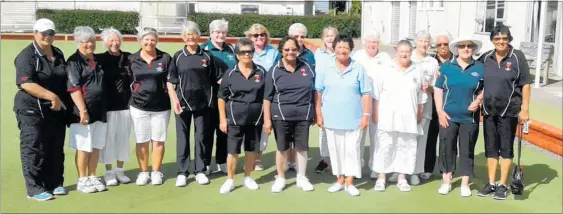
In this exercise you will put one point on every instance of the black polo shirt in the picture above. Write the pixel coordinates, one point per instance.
(194, 75)
(503, 82)
(243, 96)
(149, 91)
(291, 94)
(435, 55)
(86, 75)
(33, 66)
(118, 83)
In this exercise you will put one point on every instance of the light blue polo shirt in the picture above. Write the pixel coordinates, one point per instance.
(267, 57)
(342, 94)
(323, 57)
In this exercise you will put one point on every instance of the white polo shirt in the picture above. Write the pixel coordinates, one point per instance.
(429, 65)
(371, 63)
(399, 94)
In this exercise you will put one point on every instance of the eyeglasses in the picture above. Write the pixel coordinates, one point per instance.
(290, 49)
(259, 35)
(47, 33)
(496, 39)
(463, 46)
(299, 37)
(442, 45)
(249, 52)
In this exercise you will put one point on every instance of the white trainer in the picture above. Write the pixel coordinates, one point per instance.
(156, 178)
(227, 187)
(445, 189)
(84, 185)
(143, 178)
(250, 183)
(97, 183)
(278, 185)
(121, 177)
(222, 168)
(352, 190)
(465, 191)
(304, 184)
(336, 187)
(110, 179)
(181, 181)
(202, 179)
(379, 185)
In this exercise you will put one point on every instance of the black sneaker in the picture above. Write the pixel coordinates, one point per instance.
(487, 190)
(501, 192)
(321, 167)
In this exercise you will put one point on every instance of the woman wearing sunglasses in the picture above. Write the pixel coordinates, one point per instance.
(265, 55)
(458, 96)
(40, 112)
(241, 95)
(288, 108)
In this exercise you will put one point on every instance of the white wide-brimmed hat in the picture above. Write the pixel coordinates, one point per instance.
(453, 44)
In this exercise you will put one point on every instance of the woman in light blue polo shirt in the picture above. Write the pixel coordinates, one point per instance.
(342, 108)
(458, 95)
(265, 55)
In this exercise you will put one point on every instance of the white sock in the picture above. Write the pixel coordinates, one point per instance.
(301, 158)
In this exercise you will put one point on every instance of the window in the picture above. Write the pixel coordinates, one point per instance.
(490, 13)
(431, 4)
(249, 9)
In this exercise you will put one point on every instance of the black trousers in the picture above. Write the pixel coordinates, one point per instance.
(432, 142)
(203, 144)
(499, 136)
(220, 138)
(41, 149)
(464, 133)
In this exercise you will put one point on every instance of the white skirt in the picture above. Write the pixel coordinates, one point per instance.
(395, 152)
(117, 137)
(87, 137)
(344, 150)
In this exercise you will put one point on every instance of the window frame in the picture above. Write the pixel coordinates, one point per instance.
(422, 5)
(481, 15)
(242, 5)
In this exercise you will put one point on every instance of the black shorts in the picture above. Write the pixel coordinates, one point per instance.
(250, 134)
(290, 134)
(499, 136)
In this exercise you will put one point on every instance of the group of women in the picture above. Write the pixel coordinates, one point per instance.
(244, 94)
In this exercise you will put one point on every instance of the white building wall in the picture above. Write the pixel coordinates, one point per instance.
(264, 7)
(377, 16)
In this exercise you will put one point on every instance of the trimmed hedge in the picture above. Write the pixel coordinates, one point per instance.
(67, 20)
(278, 25)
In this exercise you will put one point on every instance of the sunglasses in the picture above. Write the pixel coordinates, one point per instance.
(442, 45)
(259, 35)
(150, 29)
(471, 46)
(47, 33)
(249, 52)
(299, 37)
(500, 38)
(290, 49)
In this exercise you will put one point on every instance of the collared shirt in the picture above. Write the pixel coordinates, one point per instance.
(291, 93)
(342, 95)
(371, 63)
(503, 82)
(323, 56)
(33, 66)
(440, 62)
(460, 88)
(243, 96)
(149, 92)
(226, 57)
(118, 85)
(267, 57)
(194, 74)
(429, 66)
(86, 75)
(399, 93)
(308, 56)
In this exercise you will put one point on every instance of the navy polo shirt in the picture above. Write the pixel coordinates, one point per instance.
(291, 93)
(308, 56)
(460, 88)
(243, 96)
(117, 79)
(149, 92)
(504, 82)
(86, 75)
(226, 57)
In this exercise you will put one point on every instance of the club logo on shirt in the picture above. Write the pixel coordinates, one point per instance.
(256, 78)
(475, 74)
(24, 78)
(303, 72)
(204, 63)
(230, 57)
(508, 65)
(159, 67)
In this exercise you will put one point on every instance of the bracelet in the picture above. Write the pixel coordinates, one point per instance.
(366, 114)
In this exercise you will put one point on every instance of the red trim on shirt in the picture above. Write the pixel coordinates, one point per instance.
(73, 89)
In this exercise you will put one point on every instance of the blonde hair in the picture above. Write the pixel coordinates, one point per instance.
(259, 28)
(330, 28)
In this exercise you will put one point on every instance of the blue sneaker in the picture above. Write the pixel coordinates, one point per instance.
(42, 197)
(60, 191)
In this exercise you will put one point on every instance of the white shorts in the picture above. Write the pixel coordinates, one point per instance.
(117, 137)
(87, 137)
(150, 125)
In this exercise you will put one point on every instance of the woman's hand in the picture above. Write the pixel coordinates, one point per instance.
(443, 117)
(364, 123)
(474, 106)
(176, 106)
(56, 103)
(223, 125)
(523, 116)
(267, 126)
(84, 117)
(320, 121)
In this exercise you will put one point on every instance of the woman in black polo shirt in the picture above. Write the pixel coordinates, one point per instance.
(288, 107)
(505, 103)
(150, 104)
(40, 112)
(241, 94)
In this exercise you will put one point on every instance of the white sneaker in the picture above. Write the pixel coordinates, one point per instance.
(414, 180)
(278, 185)
(426, 176)
(379, 186)
(109, 178)
(304, 184)
(445, 189)
(404, 186)
(156, 178)
(222, 168)
(250, 183)
(465, 191)
(202, 179)
(143, 178)
(258, 166)
(84, 185)
(394, 177)
(373, 175)
(121, 177)
(227, 187)
(181, 181)
(336, 187)
(97, 183)
(352, 190)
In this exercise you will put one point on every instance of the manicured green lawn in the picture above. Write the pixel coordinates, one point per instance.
(543, 192)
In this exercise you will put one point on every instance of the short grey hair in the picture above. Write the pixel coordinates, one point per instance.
(106, 33)
(374, 35)
(244, 42)
(219, 25)
(444, 34)
(84, 33)
(423, 34)
(146, 31)
(296, 27)
(190, 27)
(404, 42)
